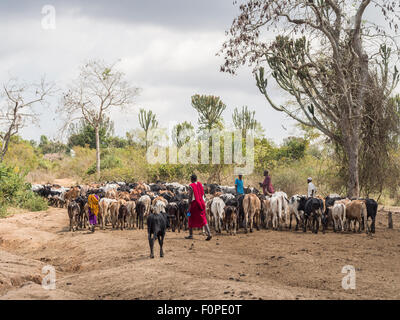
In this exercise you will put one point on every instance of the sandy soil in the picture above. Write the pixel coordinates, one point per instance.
(113, 264)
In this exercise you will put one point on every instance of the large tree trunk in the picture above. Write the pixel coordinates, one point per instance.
(97, 153)
(353, 187)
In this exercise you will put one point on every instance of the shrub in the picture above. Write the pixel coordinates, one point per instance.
(14, 191)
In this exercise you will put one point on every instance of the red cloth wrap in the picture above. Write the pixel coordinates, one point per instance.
(197, 207)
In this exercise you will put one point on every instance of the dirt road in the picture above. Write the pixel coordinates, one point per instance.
(114, 264)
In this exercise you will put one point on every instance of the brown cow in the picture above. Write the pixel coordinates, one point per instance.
(356, 210)
(251, 208)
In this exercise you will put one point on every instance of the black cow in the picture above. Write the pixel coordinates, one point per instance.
(173, 213)
(157, 225)
(313, 210)
(183, 206)
(372, 209)
(140, 209)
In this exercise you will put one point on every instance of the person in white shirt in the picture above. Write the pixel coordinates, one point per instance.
(311, 189)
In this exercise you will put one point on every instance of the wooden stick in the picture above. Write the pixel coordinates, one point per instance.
(390, 220)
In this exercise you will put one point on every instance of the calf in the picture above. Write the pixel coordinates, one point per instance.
(230, 219)
(157, 225)
(73, 214)
(338, 216)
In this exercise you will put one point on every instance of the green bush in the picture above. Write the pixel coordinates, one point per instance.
(14, 191)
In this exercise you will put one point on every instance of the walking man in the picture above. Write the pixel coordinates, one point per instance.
(197, 209)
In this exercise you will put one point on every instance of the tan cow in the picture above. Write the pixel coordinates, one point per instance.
(356, 210)
(105, 210)
(251, 208)
(131, 205)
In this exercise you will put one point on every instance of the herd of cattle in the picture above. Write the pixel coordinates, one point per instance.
(128, 205)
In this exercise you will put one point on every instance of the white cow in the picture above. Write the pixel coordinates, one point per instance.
(217, 210)
(339, 216)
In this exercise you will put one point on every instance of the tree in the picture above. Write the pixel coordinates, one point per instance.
(244, 120)
(210, 109)
(181, 133)
(147, 121)
(337, 85)
(83, 134)
(17, 102)
(99, 89)
(49, 146)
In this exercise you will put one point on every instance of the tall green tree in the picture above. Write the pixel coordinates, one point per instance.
(180, 133)
(209, 109)
(244, 120)
(83, 134)
(147, 121)
(339, 71)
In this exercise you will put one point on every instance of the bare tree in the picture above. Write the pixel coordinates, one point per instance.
(99, 89)
(17, 108)
(329, 58)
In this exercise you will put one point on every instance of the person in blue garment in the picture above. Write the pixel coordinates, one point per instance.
(239, 185)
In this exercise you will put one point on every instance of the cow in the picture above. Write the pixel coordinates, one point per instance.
(217, 211)
(338, 211)
(294, 203)
(230, 219)
(131, 206)
(313, 210)
(157, 225)
(356, 211)
(146, 200)
(105, 210)
(73, 214)
(123, 215)
(266, 212)
(183, 206)
(372, 209)
(173, 212)
(252, 208)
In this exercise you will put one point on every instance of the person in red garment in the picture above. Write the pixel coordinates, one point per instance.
(197, 209)
(268, 189)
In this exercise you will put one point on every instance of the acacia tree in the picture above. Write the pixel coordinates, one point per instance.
(244, 120)
(147, 121)
(17, 103)
(328, 58)
(99, 89)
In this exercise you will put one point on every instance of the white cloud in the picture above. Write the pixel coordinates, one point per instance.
(170, 65)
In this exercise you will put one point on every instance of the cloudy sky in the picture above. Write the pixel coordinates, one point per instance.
(167, 48)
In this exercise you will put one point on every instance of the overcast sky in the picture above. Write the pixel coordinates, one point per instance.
(167, 48)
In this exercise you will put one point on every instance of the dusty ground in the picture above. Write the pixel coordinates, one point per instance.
(263, 265)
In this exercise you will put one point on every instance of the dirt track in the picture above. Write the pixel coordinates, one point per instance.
(264, 265)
